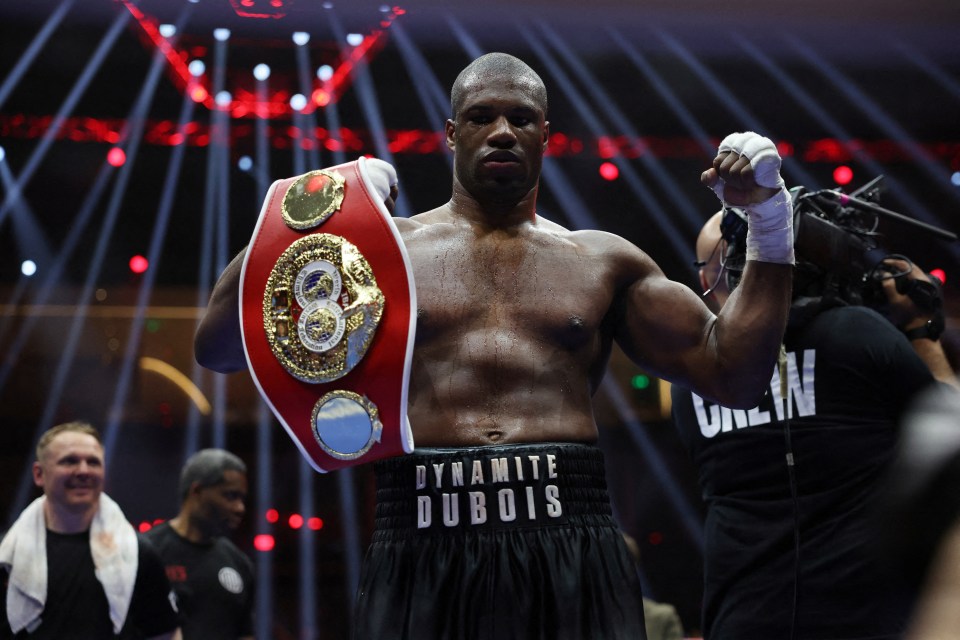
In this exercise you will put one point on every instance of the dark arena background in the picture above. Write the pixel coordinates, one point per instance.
(137, 140)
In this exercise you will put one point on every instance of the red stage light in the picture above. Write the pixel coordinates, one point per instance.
(315, 523)
(144, 527)
(116, 157)
(295, 521)
(260, 8)
(609, 171)
(272, 515)
(842, 174)
(940, 275)
(138, 264)
(785, 149)
(263, 542)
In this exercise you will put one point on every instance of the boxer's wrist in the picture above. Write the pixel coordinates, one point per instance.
(382, 176)
(770, 229)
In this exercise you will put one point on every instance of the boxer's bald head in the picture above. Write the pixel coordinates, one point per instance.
(497, 66)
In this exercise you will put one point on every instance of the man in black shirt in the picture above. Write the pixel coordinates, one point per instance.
(213, 579)
(74, 567)
(788, 490)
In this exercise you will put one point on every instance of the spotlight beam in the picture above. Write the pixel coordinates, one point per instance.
(733, 104)
(677, 107)
(640, 190)
(221, 156)
(941, 77)
(263, 501)
(830, 124)
(435, 102)
(211, 265)
(39, 40)
(79, 87)
(154, 254)
(878, 116)
(52, 276)
(308, 120)
(262, 142)
(367, 95)
(466, 40)
(332, 118)
(350, 528)
(30, 239)
(605, 102)
(692, 522)
(55, 391)
(308, 557)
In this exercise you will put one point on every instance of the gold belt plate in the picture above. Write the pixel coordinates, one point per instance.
(321, 308)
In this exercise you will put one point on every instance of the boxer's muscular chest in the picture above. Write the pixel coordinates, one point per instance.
(531, 284)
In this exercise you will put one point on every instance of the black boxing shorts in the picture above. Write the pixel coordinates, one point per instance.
(497, 542)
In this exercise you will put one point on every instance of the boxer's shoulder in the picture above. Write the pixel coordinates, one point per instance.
(432, 230)
(602, 244)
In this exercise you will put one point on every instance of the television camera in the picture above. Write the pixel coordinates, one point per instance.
(839, 256)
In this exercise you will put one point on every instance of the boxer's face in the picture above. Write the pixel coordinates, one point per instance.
(498, 138)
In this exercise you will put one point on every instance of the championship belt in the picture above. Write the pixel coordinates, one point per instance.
(327, 309)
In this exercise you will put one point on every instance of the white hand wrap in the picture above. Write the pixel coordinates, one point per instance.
(770, 223)
(382, 176)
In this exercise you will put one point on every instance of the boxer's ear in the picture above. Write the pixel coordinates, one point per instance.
(450, 128)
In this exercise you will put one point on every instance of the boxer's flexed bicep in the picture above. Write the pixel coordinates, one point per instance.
(665, 328)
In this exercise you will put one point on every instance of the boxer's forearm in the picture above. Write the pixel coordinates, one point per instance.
(218, 344)
(749, 330)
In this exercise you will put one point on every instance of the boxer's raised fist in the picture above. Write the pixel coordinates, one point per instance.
(746, 170)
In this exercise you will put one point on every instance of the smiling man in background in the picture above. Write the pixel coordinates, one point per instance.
(76, 569)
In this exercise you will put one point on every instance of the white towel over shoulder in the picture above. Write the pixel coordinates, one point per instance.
(23, 552)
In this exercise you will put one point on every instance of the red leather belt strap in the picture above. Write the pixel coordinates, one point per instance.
(332, 371)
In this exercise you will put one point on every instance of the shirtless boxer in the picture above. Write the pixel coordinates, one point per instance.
(499, 524)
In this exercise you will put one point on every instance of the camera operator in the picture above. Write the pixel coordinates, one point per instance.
(788, 484)
(920, 325)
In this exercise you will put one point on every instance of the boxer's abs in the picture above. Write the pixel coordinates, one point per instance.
(515, 391)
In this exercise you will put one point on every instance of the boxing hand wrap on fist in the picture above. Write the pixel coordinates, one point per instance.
(382, 176)
(770, 222)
